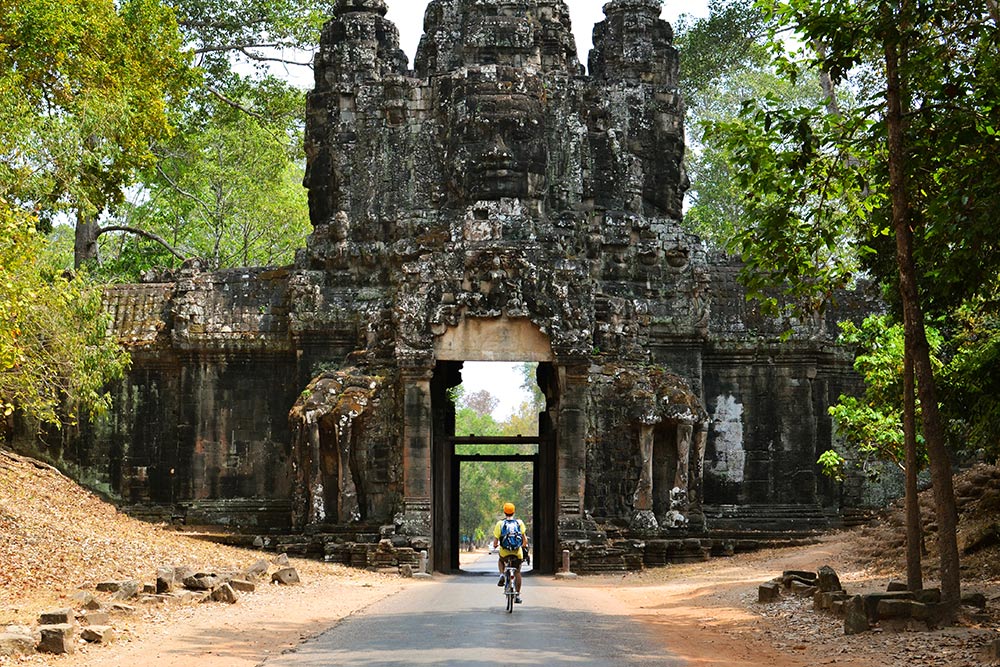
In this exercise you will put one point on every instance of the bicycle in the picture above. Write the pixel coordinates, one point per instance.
(509, 588)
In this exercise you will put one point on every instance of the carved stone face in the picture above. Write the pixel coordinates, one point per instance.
(499, 148)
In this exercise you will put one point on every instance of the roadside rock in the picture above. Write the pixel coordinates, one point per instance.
(286, 576)
(56, 639)
(14, 645)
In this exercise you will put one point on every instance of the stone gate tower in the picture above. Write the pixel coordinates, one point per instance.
(495, 202)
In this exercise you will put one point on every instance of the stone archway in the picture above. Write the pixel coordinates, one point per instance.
(500, 339)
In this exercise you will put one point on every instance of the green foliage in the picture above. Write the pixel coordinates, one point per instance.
(726, 61)
(56, 356)
(85, 86)
(804, 182)
(872, 426)
(227, 187)
(971, 382)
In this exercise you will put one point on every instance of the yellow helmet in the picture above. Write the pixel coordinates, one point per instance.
(508, 508)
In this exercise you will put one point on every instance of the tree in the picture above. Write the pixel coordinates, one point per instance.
(227, 186)
(56, 356)
(725, 59)
(481, 402)
(86, 86)
(828, 189)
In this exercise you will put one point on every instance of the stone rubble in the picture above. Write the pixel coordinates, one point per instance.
(59, 630)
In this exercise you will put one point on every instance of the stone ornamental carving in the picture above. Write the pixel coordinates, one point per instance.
(494, 202)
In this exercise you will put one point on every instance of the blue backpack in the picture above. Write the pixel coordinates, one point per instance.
(511, 538)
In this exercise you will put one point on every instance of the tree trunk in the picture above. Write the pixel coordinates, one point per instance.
(85, 244)
(915, 334)
(914, 538)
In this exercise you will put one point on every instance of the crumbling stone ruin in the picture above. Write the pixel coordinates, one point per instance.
(496, 203)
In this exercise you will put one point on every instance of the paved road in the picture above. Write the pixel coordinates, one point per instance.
(461, 620)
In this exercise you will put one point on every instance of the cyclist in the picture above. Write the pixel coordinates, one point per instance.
(510, 531)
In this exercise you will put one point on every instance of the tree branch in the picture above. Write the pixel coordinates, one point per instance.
(142, 232)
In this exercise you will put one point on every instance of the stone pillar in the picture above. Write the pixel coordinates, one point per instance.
(347, 508)
(316, 494)
(681, 477)
(642, 503)
(696, 514)
(417, 427)
(572, 439)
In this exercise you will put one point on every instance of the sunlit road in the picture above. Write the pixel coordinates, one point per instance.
(461, 620)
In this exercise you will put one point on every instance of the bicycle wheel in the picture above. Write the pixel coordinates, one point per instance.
(510, 603)
(509, 591)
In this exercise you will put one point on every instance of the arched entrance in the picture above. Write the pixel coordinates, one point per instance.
(492, 340)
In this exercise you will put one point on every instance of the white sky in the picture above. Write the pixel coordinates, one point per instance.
(408, 15)
(501, 379)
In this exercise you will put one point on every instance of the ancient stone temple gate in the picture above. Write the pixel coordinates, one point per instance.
(494, 202)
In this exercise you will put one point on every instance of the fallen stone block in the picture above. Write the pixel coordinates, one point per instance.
(872, 601)
(281, 560)
(202, 582)
(94, 617)
(257, 570)
(224, 593)
(929, 596)
(127, 590)
(991, 652)
(15, 645)
(150, 600)
(896, 586)
(56, 639)
(894, 609)
(406, 571)
(977, 600)
(242, 585)
(823, 600)
(166, 580)
(149, 589)
(85, 600)
(57, 617)
(98, 634)
(827, 579)
(769, 592)
(855, 616)
(286, 576)
(802, 589)
(121, 608)
(107, 586)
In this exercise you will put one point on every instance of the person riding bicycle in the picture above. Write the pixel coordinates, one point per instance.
(511, 536)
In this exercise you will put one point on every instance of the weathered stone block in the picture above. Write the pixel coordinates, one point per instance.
(56, 639)
(872, 601)
(242, 585)
(202, 582)
(107, 586)
(13, 645)
(257, 570)
(99, 634)
(57, 617)
(224, 593)
(896, 586)
(855, 616)
(127, 590)
(286, 575)
(85, 600)
(94, 617)
(769, 592)
(827, 579)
